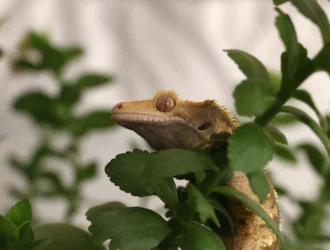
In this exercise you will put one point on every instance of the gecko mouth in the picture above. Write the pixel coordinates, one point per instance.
(125, 118)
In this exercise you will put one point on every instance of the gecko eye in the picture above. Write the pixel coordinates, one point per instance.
(204, 126)
(165, 103)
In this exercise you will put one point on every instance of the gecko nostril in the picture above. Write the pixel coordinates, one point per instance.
(119, 106)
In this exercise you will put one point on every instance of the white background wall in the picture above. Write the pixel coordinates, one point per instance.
(148, 45)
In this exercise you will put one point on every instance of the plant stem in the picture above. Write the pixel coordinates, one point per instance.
(285, 93)
(211, 181)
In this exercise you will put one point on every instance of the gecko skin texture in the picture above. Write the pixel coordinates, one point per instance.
(169, 122)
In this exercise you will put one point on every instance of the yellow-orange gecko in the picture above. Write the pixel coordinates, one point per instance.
(169, 122)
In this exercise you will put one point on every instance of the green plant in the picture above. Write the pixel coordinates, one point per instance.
(17, 233)
(55, 115)
(307, 231)
(197, 205)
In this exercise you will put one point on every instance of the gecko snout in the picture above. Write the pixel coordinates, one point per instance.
(118, 106)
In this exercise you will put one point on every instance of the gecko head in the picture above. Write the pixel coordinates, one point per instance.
(169, 122)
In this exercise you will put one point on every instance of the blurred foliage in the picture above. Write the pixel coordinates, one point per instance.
(16, 233)
(66, 237)
(55, 115)
(15, 229)
(309, 229)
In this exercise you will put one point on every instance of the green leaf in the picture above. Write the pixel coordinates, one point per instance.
(55, 236)
(252, 97)
(96, 120)
(193, 236)
(284, 120)
(250, 149)
(289, 81)
(290, 40)
(250, 204)
(56, 59)
(223, 211)
(110, 205)
(39, 106)
(91, 80)
(311, 219)
(285, 153)
(275, 79)
(259, 185)
(249, 65)
(197, 203)
(173, 162)
(127, 171)
(279, 2)
(213, 178)
(276, 134)
(52, 58)
(315, 158)
(19, 64)
(36, 39)
(87, 172)
(306, 119)
(305, 97)
(71, 94)
(26, 241)
(68, 96)
(132, 228)
(42, 244)
(8, 232)
(54, 179)
(71, 53)
(321, 61)
(313, 11)
(21, 215)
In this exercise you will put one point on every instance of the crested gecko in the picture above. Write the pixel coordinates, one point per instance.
(166, 122)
